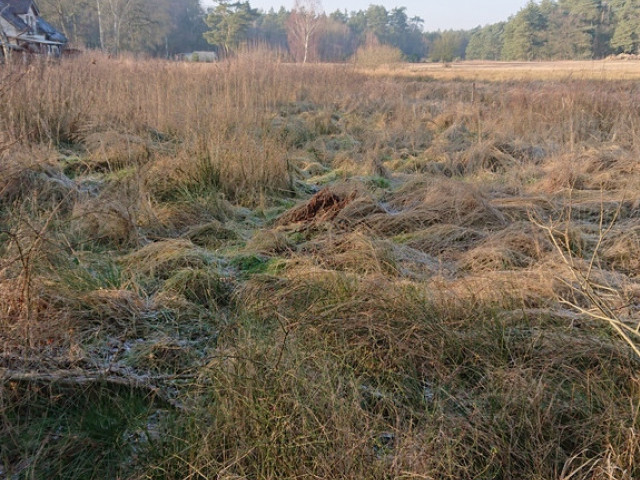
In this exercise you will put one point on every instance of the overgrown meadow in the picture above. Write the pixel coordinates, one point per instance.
(255, 270)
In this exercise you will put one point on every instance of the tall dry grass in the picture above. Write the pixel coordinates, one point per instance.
(221, 115)
(179, 292)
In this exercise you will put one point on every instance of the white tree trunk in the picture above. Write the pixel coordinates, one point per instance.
(306, 48)
(100, 29)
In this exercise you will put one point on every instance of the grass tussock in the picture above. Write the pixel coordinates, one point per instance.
(429, 202)
(116, 216)
(159, 260)
(249, 269)
(211, 234)
(33, 174)
(443, 240)
(111, 151)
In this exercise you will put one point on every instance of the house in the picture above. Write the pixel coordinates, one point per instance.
(23, 29)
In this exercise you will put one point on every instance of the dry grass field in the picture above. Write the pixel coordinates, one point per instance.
(252, 270)
(609, 69)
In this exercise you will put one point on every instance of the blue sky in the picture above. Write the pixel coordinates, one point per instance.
(437, 14)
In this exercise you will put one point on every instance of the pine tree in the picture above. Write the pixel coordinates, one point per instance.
(229, 23)
(486, 43)
(626, 36)
(524, 34)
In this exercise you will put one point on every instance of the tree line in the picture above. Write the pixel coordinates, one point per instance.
(155, 27)
(548, 29)
(562, 29)
(168, 27)
(308, 34)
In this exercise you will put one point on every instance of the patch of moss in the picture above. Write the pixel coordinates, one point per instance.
(74, 166)
(379, 182)
(256, 264)
(250, 264)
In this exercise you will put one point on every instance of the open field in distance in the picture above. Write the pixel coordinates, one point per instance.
(610, 69)
(252, 270)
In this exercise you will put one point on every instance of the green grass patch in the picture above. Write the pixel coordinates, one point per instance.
(254, 264)
(379, 182)
(78, 433)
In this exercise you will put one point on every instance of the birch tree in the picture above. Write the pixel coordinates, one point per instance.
(303, 26)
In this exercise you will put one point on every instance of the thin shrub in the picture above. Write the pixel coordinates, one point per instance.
(372, 56)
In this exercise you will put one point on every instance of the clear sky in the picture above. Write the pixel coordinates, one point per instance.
(437, 14)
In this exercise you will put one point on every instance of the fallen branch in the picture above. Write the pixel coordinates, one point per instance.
(82, 377)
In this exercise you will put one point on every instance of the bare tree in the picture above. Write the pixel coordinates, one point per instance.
(118, 9)
(128, 18)
(133, 22)
(100, 28)
(303, 27)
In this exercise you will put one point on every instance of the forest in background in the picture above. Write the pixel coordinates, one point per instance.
(562, 29)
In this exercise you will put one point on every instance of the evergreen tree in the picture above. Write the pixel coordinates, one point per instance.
(377, 19)
(524, 34)
(486, 43)
(626, 36)
(406, 34)
(565, 36)
(579, 25)
(187, 27)
(449, 45)
(229, 24)
(270, 29)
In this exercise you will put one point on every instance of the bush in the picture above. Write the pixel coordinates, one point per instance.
(373, 56)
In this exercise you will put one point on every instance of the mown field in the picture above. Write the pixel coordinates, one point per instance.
(613, 69)
(253, 270)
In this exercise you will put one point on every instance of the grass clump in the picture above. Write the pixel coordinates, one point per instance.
(163, 355)
(206, 287)
(249, 265)
(159, 260)
(442, 239)
(110, 151)
(211, 235)
(32, 175)
(429, 202)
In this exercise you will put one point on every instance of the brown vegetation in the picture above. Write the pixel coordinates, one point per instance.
(256, 270)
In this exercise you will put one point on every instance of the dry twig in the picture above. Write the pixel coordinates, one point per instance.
(599, 296)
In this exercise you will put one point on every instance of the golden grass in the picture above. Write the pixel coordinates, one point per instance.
(604, 70)
(251, 269)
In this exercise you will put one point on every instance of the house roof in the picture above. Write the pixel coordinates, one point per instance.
(9, 14)
(49, 31)
(10, 11)
(21, 7)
